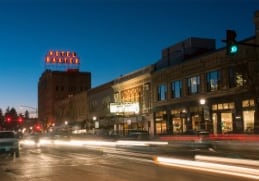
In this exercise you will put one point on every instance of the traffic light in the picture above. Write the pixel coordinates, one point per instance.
(20, 120)
(8, 119)
(232, 45)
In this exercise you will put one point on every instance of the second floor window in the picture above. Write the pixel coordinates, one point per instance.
(213, 80)
(237, 77)
(176, 89)
(161, 91)
(193, 85)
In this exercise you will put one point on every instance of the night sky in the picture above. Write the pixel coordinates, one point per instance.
(111, 37)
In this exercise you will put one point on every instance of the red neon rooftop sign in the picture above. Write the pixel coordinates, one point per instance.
(61, 57)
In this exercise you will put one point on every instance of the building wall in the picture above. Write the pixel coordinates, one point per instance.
(99, 118)
(72, 109)
(54, 86)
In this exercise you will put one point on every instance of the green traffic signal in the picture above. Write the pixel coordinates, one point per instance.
(232, 45)
(233, 49)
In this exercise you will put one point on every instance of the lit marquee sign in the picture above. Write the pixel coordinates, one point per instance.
(128, 107)
(62, 57)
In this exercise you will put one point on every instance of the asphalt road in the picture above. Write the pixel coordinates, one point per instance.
(63, 163)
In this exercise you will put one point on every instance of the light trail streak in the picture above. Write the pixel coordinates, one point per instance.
(210, 167)
(140, 143)
(227, 160)
(93, 142)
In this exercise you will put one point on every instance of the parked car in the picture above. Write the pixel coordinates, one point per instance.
(9, 143)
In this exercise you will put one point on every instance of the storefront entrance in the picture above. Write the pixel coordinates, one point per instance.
(222, 122)
(226, 123)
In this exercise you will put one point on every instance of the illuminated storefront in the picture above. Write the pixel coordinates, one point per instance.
(222, 117)
(179, 121)
(160, 122)
(248, 115)
(215, 118)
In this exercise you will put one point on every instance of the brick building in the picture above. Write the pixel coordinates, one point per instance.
(54, 86)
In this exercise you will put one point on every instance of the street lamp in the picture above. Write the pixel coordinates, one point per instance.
(94, 120)
(202, 103)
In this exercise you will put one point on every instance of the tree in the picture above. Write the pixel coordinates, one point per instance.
(13, 112)
(1, 119)
(26, 114)
(10, 119)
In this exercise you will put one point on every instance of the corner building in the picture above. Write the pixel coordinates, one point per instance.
(198, 88)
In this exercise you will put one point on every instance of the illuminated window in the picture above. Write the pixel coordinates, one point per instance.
(248, 117)
(231, 105)
(224, 106)
(248, 103)
(213, 79)
(237, 77)
(220, 106)
(161, 92)
(176, 89)
(214, 107)
(160, 122)
(193, 85)
(226, 122)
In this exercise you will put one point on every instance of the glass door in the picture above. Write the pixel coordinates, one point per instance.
(226, 122)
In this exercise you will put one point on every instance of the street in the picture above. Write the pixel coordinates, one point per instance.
(64, 163)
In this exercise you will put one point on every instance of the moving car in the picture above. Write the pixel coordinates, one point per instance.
(138, 135)
(9, 143)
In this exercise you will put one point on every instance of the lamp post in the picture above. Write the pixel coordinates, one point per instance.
(94, 120)
(202, 103)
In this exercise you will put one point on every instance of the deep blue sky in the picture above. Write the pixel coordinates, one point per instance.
(111, 37)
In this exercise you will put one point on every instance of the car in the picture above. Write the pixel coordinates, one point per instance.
(138, 135)
(9, 143)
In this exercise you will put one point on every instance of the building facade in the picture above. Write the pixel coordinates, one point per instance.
(210, 91)
(100, 120)
(132, 98)
(72, 110)
(193, 87)
(54, 86)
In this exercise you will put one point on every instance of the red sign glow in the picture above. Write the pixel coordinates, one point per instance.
(61, 57)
